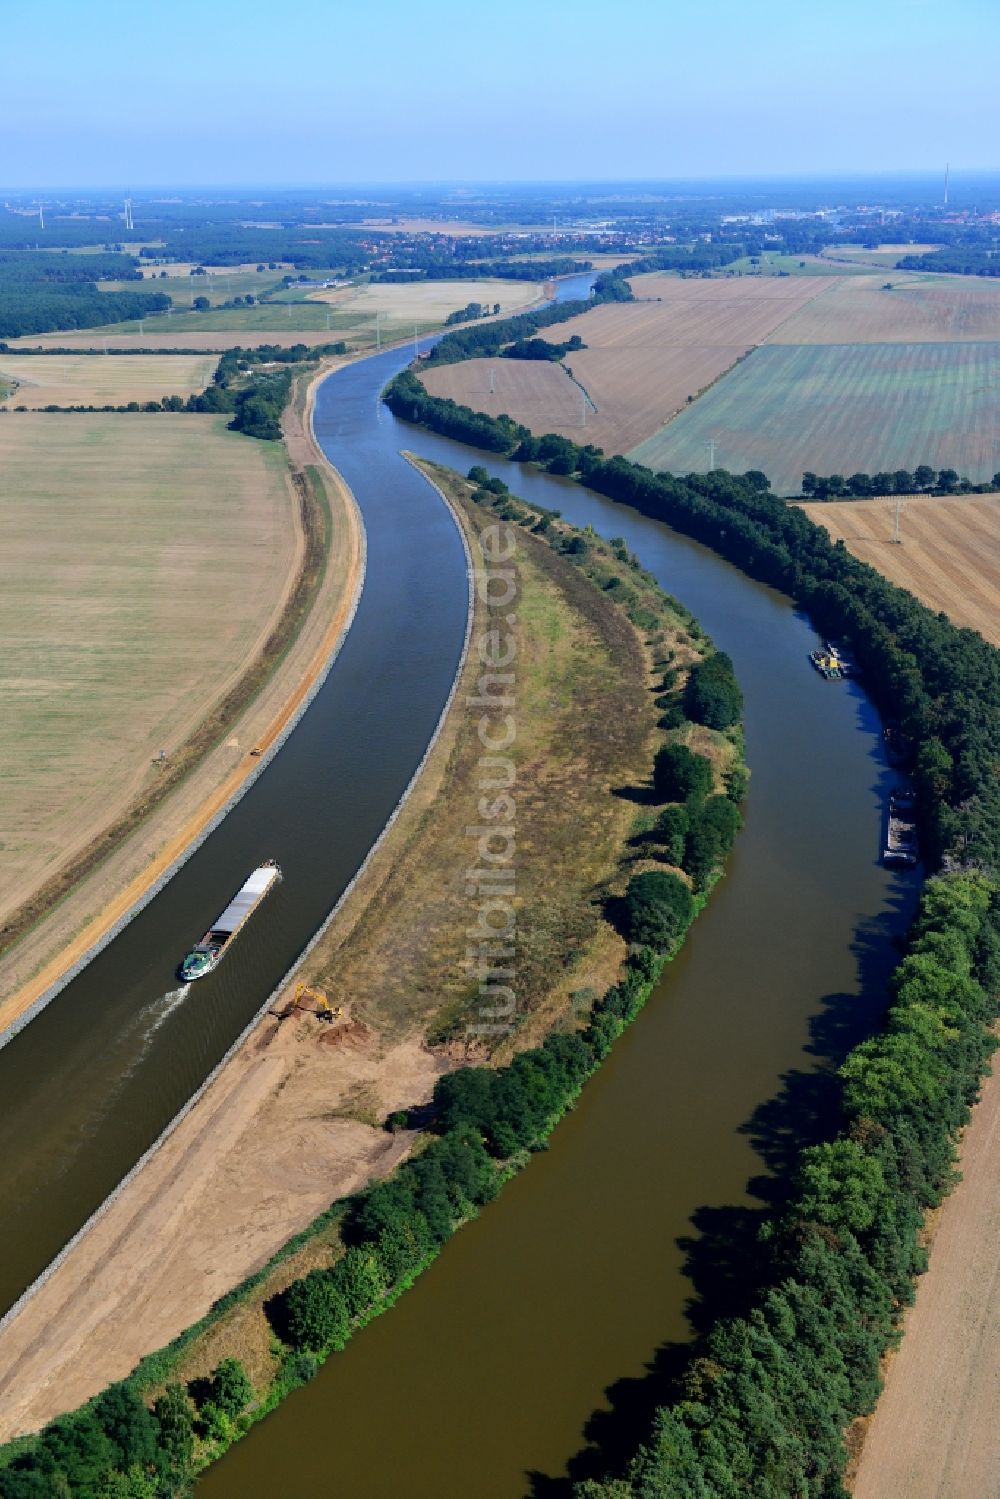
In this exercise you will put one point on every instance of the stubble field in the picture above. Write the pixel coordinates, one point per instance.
(143, 560)
(642, 361)
(93, 380)
(919, 309)
(842, 409)
(948, 555)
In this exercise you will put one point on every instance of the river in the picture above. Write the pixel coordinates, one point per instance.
(554, 1316)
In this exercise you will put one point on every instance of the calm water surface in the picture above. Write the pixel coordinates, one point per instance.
(91, 1082)
(553, 1306)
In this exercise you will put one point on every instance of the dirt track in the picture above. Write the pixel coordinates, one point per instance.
(208, 1209)
(936, 1431)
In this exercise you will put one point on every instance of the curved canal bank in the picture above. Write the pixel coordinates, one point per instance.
(562, 1297)
(96, 1077)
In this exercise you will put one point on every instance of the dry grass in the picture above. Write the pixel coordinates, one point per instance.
(144, 560)
(642, 361)
(427, 301)
(92, 380)
(583, 726)
(919, 309)
(949, 555)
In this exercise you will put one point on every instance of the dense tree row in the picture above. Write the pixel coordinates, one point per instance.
(967, 260)
(923, 480)
(764, 1408)
(541, 348)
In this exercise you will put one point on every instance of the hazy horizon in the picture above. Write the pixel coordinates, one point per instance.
(538, 94)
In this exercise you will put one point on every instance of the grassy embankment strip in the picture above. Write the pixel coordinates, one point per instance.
(593, 630)
(310, 487)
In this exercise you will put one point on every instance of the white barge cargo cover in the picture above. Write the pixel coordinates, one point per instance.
(246, 898)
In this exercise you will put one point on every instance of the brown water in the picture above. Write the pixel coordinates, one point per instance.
(540, 1324)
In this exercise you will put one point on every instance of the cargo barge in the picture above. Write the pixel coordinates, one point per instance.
(207, 954)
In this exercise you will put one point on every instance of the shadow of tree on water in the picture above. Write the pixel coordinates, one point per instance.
(725, 1264)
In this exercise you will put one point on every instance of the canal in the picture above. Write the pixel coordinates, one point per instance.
(91, 1082)
(551, 1319)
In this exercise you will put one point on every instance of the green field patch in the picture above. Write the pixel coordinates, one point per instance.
(842, 409)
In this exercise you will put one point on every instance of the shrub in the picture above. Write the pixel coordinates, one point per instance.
(658, 908)
(680, 775)
(311, 1314)
(712, 695)
(671, 830)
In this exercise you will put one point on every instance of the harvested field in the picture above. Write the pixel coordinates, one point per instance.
(322, 317)
(144, 560)
(949, 554)
(92, 380)
(843, 409)
(919, 309)
(642, 361)
(535, 392)
(426, 301)
(935, 1433)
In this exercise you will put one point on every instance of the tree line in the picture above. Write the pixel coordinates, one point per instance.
(542, 349)
(923, 480)
(763, 1409)
(962, 260)
(430, 267)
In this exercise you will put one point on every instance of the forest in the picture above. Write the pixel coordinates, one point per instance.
(42, 291)
(763, 1406)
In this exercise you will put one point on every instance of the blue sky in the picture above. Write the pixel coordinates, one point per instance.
(124, 94)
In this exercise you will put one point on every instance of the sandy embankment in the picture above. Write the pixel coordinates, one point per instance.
(935, 1433)
(211, 1206)
(83, 919)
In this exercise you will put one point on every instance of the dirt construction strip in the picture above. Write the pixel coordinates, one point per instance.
(936, 1430)
(95, 931)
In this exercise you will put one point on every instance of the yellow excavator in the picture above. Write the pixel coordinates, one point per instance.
(320, 1005)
